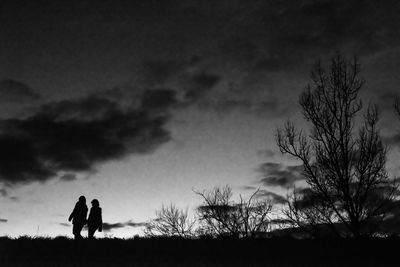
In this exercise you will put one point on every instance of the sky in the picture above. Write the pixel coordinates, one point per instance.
(141, 103)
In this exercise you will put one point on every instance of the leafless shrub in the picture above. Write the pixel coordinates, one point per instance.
(219, 215)
(171, 221)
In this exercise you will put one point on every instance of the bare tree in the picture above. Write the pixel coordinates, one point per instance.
(171, 221)
(220, 215)
(345, 169)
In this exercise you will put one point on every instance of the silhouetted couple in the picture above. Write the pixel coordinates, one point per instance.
(78, 217)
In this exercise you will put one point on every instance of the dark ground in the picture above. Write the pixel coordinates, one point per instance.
(201, 252)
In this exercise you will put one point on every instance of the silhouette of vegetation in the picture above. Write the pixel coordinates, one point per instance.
(171, 221)
(219, 215)
(349, 187)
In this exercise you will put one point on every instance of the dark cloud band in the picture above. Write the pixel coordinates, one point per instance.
(75, 135)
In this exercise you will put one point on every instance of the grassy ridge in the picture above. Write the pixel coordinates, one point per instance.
(200, 252)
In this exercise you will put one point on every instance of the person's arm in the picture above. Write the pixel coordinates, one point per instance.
(72, 214)
(100, 221)
(86, 218)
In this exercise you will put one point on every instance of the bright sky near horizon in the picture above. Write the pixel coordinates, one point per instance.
(138, 103)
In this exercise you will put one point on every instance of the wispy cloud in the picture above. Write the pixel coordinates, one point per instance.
(112, 226)
(263, 193)
(68, 177)
(117, 225)
(276, 198)
(276, 174)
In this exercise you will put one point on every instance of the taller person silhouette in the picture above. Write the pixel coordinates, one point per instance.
(95, 221)
(78, 217)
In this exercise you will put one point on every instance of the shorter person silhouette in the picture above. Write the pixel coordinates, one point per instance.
(95, 222)
(78, 217)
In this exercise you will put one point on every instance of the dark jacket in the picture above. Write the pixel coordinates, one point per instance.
(79, 213)
(95, 220)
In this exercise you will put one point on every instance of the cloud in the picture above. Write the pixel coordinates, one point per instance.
(266, 153)
(249, 187)
(326, 25)
(276, 198)
(234, 36)
(307, 198)
(68, 177)
(199, 84)
(281, 35)
(158, 72)
(75, 135)
(251, 95)
(12, 91)
(176, 83)
(257, 41)
(393, 140)
(159, 99)
(260, 47)
(269, 64)
(388, 98)
(262, 193)
(3, 192)
(135, 224)
(189, 85)
(276, 174)
(111, 226)
(239, 49)
(13, 198)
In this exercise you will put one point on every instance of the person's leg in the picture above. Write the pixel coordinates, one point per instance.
(77, 228)
(75, 231)
(91, 231)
